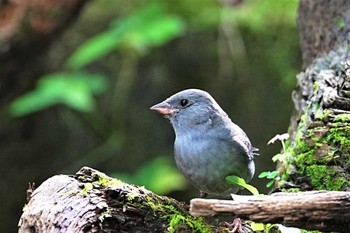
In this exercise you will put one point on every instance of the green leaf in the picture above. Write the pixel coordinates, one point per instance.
(257, 226)
(269, 184)
(94, 49)
(272, 175)
(235, 180)
(74, 90)
(263, 174)
(146, 28)
(155, 32)
(268, 174)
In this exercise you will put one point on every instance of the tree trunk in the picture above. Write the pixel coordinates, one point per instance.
(318, 154)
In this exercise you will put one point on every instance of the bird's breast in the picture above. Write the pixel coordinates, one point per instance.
(206, 160)
(190, 146)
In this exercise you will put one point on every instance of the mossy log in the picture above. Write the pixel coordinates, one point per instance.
(90, 201)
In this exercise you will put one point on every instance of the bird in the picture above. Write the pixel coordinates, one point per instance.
(208, 146)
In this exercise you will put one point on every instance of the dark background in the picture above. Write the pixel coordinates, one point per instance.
(245, 55)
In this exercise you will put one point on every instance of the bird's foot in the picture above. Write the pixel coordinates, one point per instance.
(235, 226)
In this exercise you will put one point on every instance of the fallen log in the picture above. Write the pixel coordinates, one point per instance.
(90, 201)
(313, 210)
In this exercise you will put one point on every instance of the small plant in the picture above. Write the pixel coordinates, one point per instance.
(235, 180)
(282, 138)
(271, 175)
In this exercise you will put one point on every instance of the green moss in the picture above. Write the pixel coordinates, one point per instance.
(97, 179)
(291, 190)
(314, 156)
(176, 218)
(162, 207)
(340, 134)
(86, 189)
(306, 231)
(320, 153)
(25, 207)
(339, 22)
(106, 181)
(107, 213)
(325, 177)
(342, 118)
(316, 86)
(322, 114)
(304, 153)
(131, 196)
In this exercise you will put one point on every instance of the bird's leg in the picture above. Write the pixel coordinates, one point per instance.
(236, 226)
(202, 194)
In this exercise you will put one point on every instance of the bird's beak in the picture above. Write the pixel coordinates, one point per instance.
(163, 108)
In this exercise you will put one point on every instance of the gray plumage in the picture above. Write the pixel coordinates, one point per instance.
(208, 145)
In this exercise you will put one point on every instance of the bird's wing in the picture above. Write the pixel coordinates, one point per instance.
(241, 138)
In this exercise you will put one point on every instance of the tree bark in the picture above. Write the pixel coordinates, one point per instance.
(314, 210)
(317, 155)
(323, 26)
(90, 201)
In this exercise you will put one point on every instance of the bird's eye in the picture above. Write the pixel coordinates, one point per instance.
(184, 102)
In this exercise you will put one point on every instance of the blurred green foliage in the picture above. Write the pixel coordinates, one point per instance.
(149, 27)
(159, 175)
(118, 59)
(74, 90)
(145, 26)
(260, 15)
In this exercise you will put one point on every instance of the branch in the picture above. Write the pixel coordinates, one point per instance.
(314, 210)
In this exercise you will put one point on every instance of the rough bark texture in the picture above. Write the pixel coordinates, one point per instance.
(314, 210)
(317, 156)
(322, 24)
(90, 201)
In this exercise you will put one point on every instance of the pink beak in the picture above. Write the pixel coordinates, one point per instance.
(163, 108)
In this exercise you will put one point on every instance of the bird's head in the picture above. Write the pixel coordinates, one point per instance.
(189, 108)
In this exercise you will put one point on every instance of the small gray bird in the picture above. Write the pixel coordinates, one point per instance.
(208, 145)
